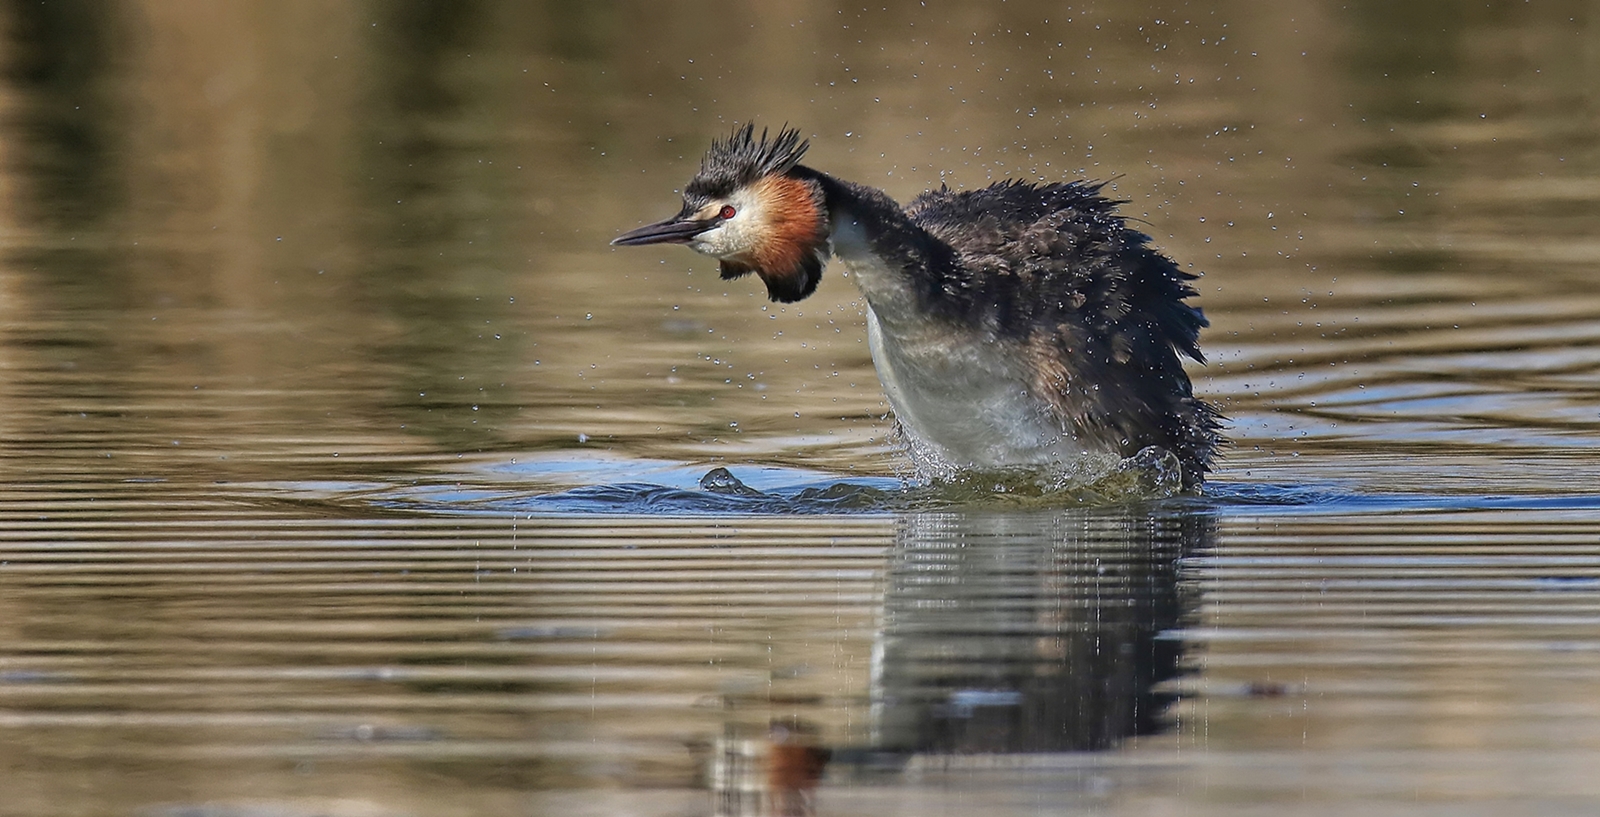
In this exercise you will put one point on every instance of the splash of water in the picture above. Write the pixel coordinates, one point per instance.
(1151, 474)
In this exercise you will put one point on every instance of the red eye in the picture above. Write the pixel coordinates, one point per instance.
(727, 212)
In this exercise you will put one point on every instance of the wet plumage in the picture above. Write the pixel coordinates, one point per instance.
(1016, 325)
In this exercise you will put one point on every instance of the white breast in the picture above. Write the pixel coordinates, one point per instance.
(965, 404)
(963, 398)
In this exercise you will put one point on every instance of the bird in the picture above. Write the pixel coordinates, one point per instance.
(1022, 325)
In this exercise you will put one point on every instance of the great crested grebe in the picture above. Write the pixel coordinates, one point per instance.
(1020, 325)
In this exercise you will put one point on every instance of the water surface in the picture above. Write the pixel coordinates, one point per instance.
(347, 470)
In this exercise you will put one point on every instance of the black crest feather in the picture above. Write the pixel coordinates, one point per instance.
(742, 158)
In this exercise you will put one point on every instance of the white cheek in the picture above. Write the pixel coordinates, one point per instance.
(736, 235)
(718, 241)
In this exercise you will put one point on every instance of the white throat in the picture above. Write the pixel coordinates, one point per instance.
(887, 290)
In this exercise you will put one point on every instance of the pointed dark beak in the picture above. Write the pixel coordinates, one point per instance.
(674, 230)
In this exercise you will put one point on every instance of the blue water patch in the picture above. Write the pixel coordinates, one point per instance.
(621, 486)
(715, 492)
(1256, 498)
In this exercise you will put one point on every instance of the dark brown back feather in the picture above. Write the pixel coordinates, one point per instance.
(1055, 269)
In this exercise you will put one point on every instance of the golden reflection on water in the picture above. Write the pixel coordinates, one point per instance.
(397, 214)
(264, 267)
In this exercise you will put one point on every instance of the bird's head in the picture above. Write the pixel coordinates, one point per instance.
(749, 209)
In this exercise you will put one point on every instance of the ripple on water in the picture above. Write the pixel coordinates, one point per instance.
(602, 487)
(1152, 474)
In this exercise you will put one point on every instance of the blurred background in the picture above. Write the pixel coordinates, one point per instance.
(305, 306)
(277, 231)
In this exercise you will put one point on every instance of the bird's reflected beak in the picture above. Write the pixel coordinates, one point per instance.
(675, 230)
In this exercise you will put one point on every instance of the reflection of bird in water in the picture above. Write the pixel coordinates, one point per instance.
(774, 774)
(1017, 325)
(795, 763)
